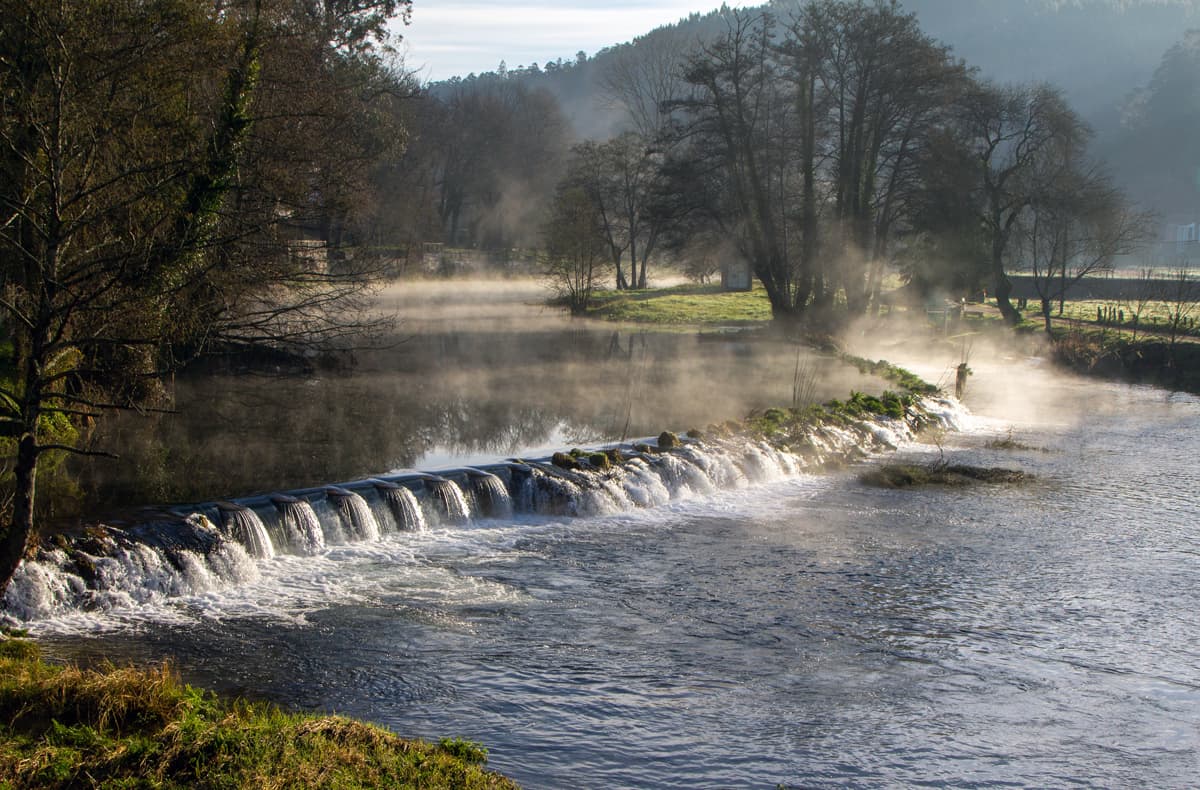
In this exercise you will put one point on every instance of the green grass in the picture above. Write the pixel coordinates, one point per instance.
(65, 727)
(684, 305)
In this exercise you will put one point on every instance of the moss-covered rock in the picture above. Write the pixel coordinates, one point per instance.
(667, 441)
(599, 461)
(565, 461)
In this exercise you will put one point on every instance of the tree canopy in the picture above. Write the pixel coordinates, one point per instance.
(153, 156)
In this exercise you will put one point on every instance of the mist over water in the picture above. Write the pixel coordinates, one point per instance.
(799, 630)
(478, 371)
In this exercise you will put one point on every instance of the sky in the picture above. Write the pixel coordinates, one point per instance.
(450, 38)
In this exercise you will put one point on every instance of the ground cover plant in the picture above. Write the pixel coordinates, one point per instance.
(684, 304)
(62, 726)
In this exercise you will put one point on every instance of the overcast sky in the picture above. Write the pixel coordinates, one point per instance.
(450, 38)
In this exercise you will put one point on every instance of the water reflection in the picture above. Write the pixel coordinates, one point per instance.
(478, 371)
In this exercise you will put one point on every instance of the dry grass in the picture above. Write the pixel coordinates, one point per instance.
(128, 728)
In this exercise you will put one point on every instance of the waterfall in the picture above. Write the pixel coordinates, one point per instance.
(243, 525)
(109, 568)
(355, 514)
(549, 493)
(683, 477)
(404, 507)
(180, 552)
(643, 485)
(299, 525)
(448, 500)
(490, 497)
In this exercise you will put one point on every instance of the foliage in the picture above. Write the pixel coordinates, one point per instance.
(807, 135)
(67, 727)
(147, 169)
(905, 379)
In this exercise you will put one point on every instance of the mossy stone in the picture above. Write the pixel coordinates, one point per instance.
(564, 461)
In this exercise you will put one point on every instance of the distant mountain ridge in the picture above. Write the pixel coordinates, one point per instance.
(1097, 51)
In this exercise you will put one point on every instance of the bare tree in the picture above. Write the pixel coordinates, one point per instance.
(1014, 132)
(740, 127)
(575, 248)
(1179, 295)
(1075, 228)
(886, 87)
(1139, 297)
(645, 76)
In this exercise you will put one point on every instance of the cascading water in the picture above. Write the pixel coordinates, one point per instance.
(449, 502)
(112, 568)
(243, 525)
(357, 519)
(299, 525)
(405, 509)
(489, 496)
(109, 568)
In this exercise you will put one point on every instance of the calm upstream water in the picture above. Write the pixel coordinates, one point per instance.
(807, 631)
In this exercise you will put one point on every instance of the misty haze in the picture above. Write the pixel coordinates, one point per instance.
(799, 394)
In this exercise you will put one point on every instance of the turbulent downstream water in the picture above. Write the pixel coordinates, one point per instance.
(795, 629)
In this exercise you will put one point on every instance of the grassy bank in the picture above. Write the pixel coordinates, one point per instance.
(1144, 358)
(684, 305)
(65, 727)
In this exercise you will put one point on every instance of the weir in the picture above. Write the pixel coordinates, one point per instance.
(189, 549)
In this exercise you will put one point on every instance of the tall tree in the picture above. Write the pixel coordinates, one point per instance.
(1015, 133)
(739, 118)
(1075, 228)
(884, 88)
(574, 247)
(621, 177)
(127, 130)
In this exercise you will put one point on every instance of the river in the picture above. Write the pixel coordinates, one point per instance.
(802, 631)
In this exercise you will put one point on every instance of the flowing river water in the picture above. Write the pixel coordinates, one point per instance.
(797, 629)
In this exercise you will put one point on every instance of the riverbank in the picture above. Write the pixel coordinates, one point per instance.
(66, 727)
(1099, 350)
(1120, 356)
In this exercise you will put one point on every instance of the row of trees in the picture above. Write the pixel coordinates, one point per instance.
(158, 161)
(826, 145)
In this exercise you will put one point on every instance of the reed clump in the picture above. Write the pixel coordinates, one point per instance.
(62, 726)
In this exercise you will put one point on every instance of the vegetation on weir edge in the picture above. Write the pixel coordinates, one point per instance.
(905, 379)
(939, 474)
(684, 305)
(68, 727)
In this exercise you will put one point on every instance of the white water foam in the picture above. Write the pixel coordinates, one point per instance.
(136, 581)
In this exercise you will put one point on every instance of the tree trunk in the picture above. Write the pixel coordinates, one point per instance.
(622, 283)
(1046, 307)
(1003, 288)
(16, 539)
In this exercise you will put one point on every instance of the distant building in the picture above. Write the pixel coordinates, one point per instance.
(1186, 237)
(736, 275)
(1178, 247)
